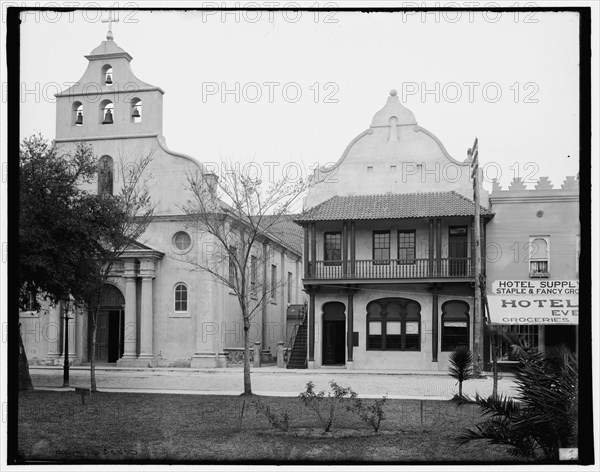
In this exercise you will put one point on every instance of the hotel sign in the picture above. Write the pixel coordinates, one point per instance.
(534, 302)
(535, 287)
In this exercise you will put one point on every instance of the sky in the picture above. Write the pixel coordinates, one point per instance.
(279, 87)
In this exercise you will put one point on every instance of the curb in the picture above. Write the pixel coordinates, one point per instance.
(233, 393)
(260, 370)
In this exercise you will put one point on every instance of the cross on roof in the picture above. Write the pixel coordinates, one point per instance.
(110, 20)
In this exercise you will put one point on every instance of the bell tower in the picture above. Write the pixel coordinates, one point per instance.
(109, 101)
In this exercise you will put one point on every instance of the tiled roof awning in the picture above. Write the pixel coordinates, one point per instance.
(392, 206)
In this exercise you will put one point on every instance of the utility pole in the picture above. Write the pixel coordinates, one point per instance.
(473, 153)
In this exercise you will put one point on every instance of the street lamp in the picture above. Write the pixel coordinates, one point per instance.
(66, 301)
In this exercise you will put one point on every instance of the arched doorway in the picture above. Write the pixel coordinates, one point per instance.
(334, 333)
(110, 329)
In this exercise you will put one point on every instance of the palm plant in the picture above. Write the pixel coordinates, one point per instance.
(461, 367)
(543, 416)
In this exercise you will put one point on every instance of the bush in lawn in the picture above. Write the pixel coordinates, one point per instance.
(325, 405)
(461, 367)
(373, 414)
(544, 416)
(277, 420)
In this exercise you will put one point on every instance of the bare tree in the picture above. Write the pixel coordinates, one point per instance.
(119, 221)
(241, 214)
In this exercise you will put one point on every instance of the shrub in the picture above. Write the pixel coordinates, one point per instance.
(461, 367)
(324, 405)
(543, 416)
(277, 420)
(373, 414)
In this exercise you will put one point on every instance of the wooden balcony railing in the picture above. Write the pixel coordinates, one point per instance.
(392, 269)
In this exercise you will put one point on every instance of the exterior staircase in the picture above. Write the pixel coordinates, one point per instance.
(297, 358)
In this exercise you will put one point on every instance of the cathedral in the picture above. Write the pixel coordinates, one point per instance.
(156, 311)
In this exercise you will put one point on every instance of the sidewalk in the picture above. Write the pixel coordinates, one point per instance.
(268, 381)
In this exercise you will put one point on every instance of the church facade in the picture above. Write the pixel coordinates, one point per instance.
(157, 310)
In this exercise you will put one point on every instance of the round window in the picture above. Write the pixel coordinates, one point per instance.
(182, 240)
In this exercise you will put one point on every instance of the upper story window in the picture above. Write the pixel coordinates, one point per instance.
(406, 247)
(136, 110)
(253, 268)
(290, 281)
(181, 297)
(381, 247)
(273, 282)
(106, 112)
(107, 75)
(77, 114)
(333, 246)
(539, 256)
(232, 266)
(105, 175)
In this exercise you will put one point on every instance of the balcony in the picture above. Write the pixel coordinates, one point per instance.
(445, 268)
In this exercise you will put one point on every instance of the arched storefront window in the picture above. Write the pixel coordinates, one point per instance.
(455, 325)
(394, 324)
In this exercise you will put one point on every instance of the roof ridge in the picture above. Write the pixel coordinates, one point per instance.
(393, 194)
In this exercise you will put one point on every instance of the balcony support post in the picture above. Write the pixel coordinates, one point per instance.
(345, 249)
(305, 255)
(311, 328)
(430, 266)
(438, 246)
(434, 323)
(313, 249)
(350, 337)
(352, 249)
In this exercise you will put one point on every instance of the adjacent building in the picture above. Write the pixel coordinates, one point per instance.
(533, 250)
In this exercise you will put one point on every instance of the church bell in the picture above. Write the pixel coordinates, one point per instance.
(108, 118)
(79, 120)
(108, 80)
(136, 112)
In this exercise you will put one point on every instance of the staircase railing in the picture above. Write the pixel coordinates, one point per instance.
(297, 325)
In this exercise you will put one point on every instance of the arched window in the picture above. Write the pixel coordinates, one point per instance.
(105, 175)
(181, 297)
(77, 114)
(107, 75)
(136, 110)
(394, 324)
(455, 325)
(106, 112)
(539, 247)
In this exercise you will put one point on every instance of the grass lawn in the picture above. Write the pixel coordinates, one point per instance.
(136, 427)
